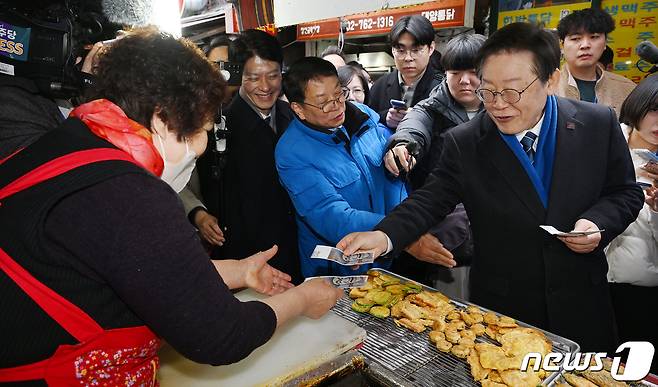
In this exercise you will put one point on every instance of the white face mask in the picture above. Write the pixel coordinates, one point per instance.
(177, 175)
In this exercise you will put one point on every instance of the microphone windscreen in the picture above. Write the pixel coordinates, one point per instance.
(647, 51)
(134, 13)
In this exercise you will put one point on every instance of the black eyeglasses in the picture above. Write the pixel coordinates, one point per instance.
(332, 104)
(508, 95)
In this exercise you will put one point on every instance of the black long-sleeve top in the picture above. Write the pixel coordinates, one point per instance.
(129, 237)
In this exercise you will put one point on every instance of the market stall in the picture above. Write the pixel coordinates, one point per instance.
(414, 336)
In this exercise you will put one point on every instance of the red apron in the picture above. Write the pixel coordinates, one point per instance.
(112, 357)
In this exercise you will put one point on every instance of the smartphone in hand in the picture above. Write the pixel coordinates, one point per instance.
(398, 105)
(645, 154)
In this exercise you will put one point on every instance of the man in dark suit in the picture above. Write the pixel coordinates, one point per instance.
(533, 159)
(257, 212)
(412, 42)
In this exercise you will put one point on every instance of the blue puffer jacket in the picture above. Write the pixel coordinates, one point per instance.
(336, 191)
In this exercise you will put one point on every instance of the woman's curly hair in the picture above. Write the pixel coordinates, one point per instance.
(150, 71)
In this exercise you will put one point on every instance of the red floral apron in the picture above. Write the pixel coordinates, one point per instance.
(112, 357)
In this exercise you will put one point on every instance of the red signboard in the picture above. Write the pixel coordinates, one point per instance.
(442, 13)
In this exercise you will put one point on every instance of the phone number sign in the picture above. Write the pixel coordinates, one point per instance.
(444, 13)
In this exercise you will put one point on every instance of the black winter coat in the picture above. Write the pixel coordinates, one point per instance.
(519, 269)
(258, 210)
(388, 87)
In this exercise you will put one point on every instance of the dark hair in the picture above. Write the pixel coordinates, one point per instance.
(149, 70)
(418, 26)
(356, 64)
(435, 62)
(460, 52)
(302, 71)
(252, 43)
(589, 20)
(222, 40)
(607, 57)
(517, 37)
(348, 72)
(638, 103)
(332, 50)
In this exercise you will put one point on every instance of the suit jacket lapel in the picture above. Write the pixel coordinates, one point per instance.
(510, 169)
(566, 156)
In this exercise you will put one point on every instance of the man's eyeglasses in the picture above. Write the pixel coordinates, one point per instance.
(413, 52)
(508, 95)
(332, 104)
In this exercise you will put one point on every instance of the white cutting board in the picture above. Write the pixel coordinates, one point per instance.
(298, 347)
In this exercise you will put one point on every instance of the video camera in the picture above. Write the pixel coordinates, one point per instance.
(41, 41)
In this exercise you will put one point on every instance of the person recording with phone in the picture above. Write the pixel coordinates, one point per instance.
(633, 255)
(412, 44)
(451, 103)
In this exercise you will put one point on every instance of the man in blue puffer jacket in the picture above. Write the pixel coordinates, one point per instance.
(330, 162)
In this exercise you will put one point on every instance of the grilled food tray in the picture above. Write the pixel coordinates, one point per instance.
(411, 356)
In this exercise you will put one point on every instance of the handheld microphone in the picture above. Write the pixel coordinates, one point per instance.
(647, 51)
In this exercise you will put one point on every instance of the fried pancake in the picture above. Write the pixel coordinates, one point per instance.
(507, 322)
(477, 370)
(472, 309)
(414, 326)
(478, 329)
(454, 315)
(492, 356)
(467, 318)
(457, 325)
(396, 310)
(443, 346)
(439, 325)
(466, 342)
(461, 351)
(494, 376)
(357, 293)
(521, 341)
(411, 311)
(602, 378)
(452, 336)
(467, 333)
(518, 378)
(577, 381)
(490, 318)
(476, 317)
(425, 322)
(491, 332)
(436, 336)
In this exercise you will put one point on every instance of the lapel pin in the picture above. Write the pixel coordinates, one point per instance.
(571, 125)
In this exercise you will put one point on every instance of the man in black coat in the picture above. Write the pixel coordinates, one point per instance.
(533, 159)
(412, 41)
(256, 212)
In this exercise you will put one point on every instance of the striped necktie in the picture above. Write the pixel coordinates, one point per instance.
(526, 143)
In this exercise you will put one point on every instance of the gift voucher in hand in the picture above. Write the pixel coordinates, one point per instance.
(553, 231)
(345, 281)
(333, 254)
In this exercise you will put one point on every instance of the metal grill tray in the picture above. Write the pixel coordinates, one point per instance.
(412, 357)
